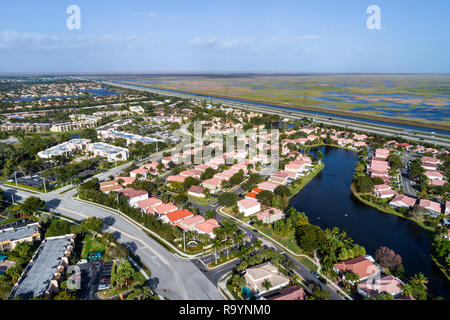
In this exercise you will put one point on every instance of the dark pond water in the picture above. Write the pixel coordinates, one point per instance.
(327, 201)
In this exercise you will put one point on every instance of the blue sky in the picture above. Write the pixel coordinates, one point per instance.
(225, 36)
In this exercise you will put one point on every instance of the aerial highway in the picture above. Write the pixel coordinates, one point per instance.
(437, 139)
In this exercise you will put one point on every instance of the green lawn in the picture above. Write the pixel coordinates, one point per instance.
(201, 201)
(31, 189)
(138, 279)
(90, 244)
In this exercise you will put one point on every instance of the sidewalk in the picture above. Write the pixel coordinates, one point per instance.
(222, 285)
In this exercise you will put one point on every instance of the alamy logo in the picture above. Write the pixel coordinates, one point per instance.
(73, 22)
(374, 20)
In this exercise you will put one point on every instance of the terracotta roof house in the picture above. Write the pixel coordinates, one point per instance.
(250, 195)
(110, 187)
(108, 183)
(177, 215)
(430, 160)
(434, 175)
(402, 201)
(196, 191)
(384, 284)
(151, 166)
(213, 184)
(255, 277)
(192, 173)
(437, 183)
(278, 180)
(142, 171)
(133, 195)
(289, 293)
(164, 208)
(207, 227)
(201, 167)
(189, 224)
(447, 207)
(126, 180)
(433, 207)
(177, 178)
(269, 186)
(383, 191)
(148, 203)
(294, 167)
(382, 153)
(269, 215)
(362, 266)
(248, 206)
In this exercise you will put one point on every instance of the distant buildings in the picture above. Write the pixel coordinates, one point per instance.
(112, 153)
(64, 148)
(42, 275)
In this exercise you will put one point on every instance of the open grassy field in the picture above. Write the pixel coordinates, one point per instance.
(425, 98)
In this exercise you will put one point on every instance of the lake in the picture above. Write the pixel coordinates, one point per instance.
(328, 202)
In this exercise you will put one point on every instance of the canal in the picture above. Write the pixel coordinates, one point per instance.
(328, 202)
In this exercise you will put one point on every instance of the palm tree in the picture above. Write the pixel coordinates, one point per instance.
(266, 284)
(239, 238)
(407, 290)
(420, 279)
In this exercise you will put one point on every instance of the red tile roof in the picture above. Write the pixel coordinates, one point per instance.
(177, 215)
(362, 266)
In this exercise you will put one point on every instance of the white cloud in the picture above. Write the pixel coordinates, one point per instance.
(41, 41)
(307, 37)
(204, 42)
(248, 44)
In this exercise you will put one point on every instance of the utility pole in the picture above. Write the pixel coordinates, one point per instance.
(184, 240)
(15, 176)
(45, 188)
(12, 197)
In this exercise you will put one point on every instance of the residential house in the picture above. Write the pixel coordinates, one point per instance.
(383, 191)
(133, 195)
(207, 227)
(289, 293)
(362, 266)
(269, 215)
(402, 201)
(164, 208)
(214, 185)
(196, 191)
(9, 237)
(177, 216)
(256, 276)
(385, 284)
(433, 207)
(248, 206)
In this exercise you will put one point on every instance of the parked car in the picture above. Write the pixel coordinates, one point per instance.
(315, 274)
(103, 286)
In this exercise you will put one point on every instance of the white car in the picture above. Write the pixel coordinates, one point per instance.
(84, 261)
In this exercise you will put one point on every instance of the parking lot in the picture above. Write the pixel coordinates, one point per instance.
(96, 275)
